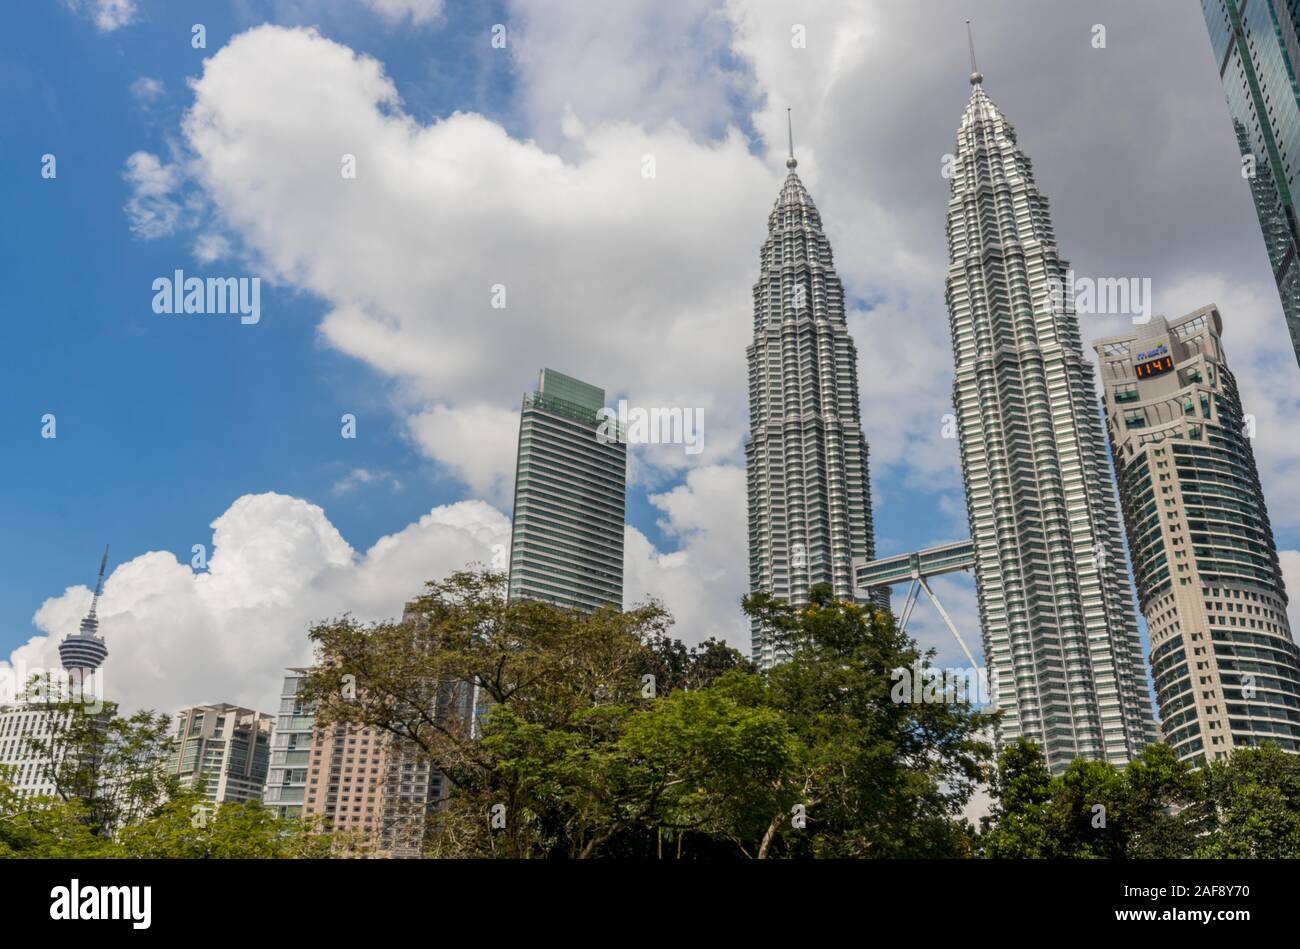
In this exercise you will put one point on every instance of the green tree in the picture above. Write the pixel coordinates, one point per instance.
(189, 827)
(571, 757)
(675, 665)
(1251, 805)
(1148, 809)
(535, 769)
(1162, 806)
(1021, 791)
(879, 776)
(723, 765)
(43, 827)
(111, 765)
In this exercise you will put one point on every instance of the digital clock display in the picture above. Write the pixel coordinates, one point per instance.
(1156, 367)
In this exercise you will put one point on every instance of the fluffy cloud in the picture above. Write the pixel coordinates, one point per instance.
(178, 636)
(153, 209)
(147, 90)
(476, 443)
(359, 477)
(652, 63)
(209, 247)
(702, 580)
(601, 265)
(418, 12)
(107, 15)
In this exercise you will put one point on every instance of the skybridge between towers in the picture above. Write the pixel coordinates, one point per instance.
(917, 567)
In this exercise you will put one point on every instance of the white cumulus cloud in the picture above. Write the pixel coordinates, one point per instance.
(177, 635)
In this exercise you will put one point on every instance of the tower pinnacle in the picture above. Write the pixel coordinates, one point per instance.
(976, 77)
(99, 588)
(789, 124)
(84, 651)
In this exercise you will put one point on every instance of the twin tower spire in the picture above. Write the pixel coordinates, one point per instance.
(976, 78)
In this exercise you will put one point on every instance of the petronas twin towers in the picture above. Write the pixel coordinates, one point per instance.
(1056, 606)
(809, 492)
(1059, 630)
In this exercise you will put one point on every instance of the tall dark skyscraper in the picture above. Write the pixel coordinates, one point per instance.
(1226, 668)
(806, 456)
(1055, 603)
(1257, 48)
(566, 542)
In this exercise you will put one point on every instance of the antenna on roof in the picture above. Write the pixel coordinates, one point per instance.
(99, 585)
(976, 77)
(790, 162)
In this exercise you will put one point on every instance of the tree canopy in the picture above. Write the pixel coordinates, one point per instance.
(571, 735)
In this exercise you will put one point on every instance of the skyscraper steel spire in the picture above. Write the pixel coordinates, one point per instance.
(1055, 600)
(976, 77)
(806, 456)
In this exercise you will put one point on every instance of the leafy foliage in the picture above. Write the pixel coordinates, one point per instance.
(1158, 807)
(567, 735)
(570, 755)
(113, 798)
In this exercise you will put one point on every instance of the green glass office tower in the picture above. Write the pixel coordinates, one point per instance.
(1226, 669)
(1257, 47)
(566, 545)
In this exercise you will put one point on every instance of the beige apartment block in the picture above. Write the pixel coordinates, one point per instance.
(224, 747)
(1226, 669)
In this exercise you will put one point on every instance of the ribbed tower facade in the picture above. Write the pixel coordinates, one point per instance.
(84, 651)
(1226, 668)
(566, 542)
(806, 456)
(1055, 602)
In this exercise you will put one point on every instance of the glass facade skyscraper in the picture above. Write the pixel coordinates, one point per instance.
(806, 455)
(566, 543)
(1257, 48)
(1226, 669)
(1055, 602)
(286, 780)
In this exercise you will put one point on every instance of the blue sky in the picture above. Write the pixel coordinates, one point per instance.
(160, 429)
(164, 423)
